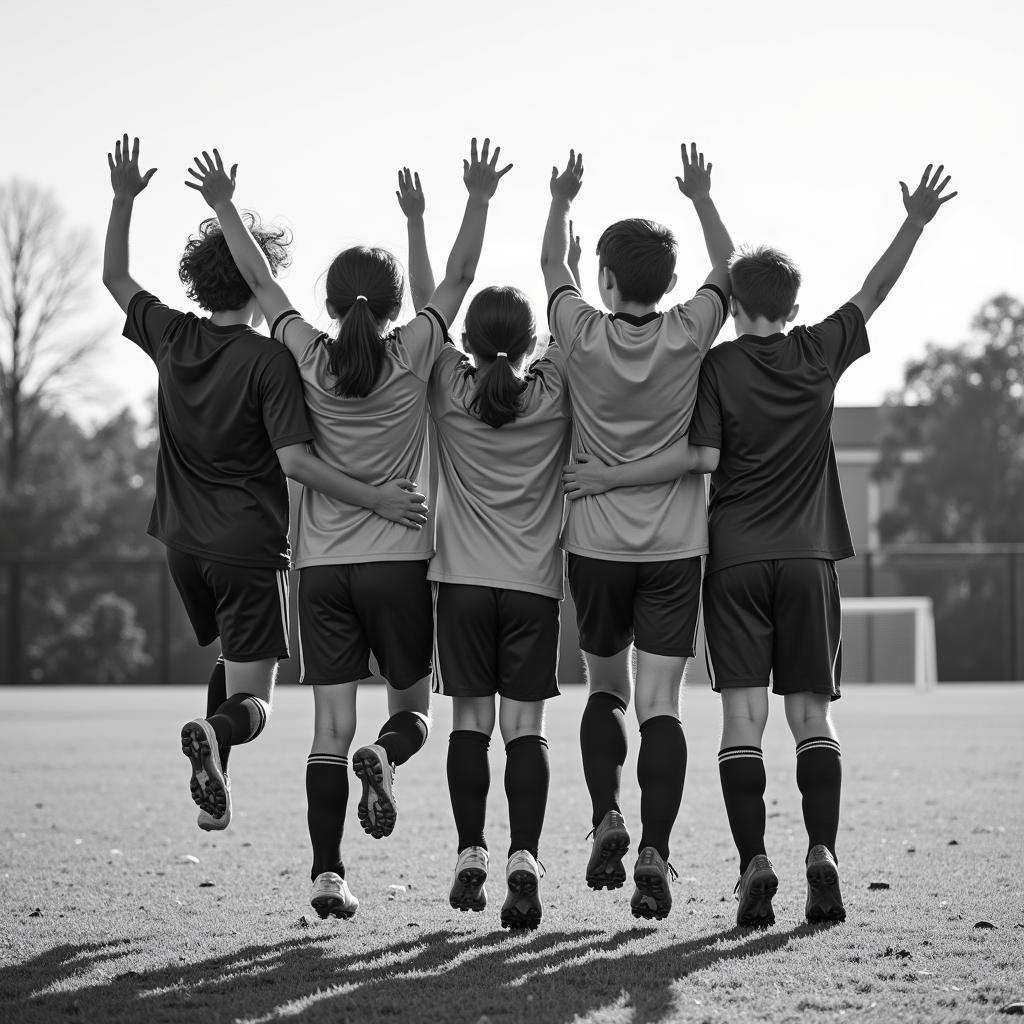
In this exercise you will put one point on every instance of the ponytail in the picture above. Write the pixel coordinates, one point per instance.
(500, 327)
(364, 286)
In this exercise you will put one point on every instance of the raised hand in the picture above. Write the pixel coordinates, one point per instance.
(480, 173)
(399, 501)
(410, 193)
(926, 199)
(216, 185)
(575, 251)
(567, 184)
(695, 183)
(125, 178)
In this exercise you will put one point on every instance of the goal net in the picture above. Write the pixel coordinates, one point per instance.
(889, 639)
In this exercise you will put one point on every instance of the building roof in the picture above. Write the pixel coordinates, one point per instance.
(856, 426)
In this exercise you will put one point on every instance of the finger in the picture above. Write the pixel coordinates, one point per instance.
(904, 190)
(484, 151)
(110, 161)
(472, 151)
(693, 153)
(220, 163)
(679, 182)
(234, 170)
(570, 226)
(504, 171)
(708, 169)
(149, 174)
(494, 156)
(196, 174)
(124, 147)
(572, 161)
(117, 152)
(554, 173)
(924, 177)
(135, 150)
(199, 164)
(192, 184)
(416, 177)
(946, 199)
(682, 153)
(945, 182)
(938, 174)
(210, 166)
(465, 167)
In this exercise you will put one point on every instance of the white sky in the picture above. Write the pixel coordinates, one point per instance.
(811, 113)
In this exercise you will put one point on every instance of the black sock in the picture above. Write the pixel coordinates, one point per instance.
(326, 801)
(741, 770)
(819, 775)
(526, 786)
(240, 719)
(402, 735)
(469, 778)
(660, 770)
(603, 744)
(216, 694)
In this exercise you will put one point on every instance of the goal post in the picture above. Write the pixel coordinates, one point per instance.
(925, 666)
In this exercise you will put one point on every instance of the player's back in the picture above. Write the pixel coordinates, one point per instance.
(633, 384)
(500, 489)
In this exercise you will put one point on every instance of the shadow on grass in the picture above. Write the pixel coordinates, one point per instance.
(440, 976)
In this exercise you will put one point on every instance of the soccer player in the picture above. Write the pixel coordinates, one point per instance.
(634, 554)
(362, 582)
(503, 437)
(232, 425)
(762, 425)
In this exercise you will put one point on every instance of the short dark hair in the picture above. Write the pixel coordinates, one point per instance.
(642, 256)
(207, 268)
(764, 281)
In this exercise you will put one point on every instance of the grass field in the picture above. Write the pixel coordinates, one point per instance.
(116, 908)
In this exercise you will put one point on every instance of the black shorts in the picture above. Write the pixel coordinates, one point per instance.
(347, 612)
(781, 617)
(490, 640)
(246, 606)
(652, 604)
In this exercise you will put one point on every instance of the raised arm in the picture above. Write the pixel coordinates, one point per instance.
(127, 183)
(396, 500)
(217, 187)
(588, 475)
(553, 257)
(695, 184)
(921, 207)
(481, 176)
(413, 203)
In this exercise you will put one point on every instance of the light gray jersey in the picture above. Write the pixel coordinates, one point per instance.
(499, 502)
(633, 385)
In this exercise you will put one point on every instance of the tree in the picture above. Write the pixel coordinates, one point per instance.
(44, 269)
(962, 408)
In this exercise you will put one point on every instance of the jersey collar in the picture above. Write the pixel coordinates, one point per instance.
(636, 321)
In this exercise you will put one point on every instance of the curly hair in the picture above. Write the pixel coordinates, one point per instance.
(208, 270)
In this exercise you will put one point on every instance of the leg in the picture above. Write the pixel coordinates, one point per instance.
(603, 730)
(741, 767)
(819, 771)
(334, 724)
(469, 776)
(527, 772)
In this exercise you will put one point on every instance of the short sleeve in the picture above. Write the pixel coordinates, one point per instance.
(553, 357)
(706, 424)
(295, 334)
(568, 314)
(841, 338)
(147, 322)
(281, 403)
(421, 340)
(704, 316)
(448, 364)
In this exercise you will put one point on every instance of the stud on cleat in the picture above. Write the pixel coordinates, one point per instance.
(754, 891)
(652, 898)
(824, 900)
(208, 785)
(522, 908)
(467, 891)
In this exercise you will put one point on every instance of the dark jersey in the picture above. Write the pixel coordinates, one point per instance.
(228, 399)
(767, 403)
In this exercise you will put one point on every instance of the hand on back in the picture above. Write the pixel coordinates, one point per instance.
(567, 184)
(924, 202)
(480, 172)
(125, 178)
(216, 185)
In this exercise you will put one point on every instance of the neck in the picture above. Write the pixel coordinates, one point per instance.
(230, 317)
(760, 327)
(633, 308)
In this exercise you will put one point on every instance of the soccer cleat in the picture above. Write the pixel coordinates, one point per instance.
(824, 901)
(522, 908)
(651, 898)
(209, 787)
(611, 841)
(377, 811)
(754, 890)
(331, 896)
(207, 822)
(468, 892)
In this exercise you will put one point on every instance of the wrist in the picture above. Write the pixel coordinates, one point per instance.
(703, 202)
(561, 203)
(124, 201)
(916, 223)
(477, 202)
